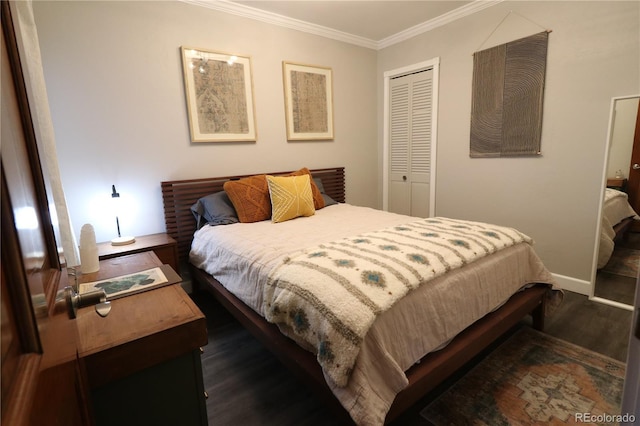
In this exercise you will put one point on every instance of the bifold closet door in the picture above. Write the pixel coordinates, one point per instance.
(410, 143)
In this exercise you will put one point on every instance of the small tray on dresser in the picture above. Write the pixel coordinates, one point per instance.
(133, 283)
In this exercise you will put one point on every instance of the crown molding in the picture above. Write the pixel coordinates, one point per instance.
(459, 13)
(282, 21)
(237, 9)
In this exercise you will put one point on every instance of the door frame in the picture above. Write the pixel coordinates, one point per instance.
(431, 64)
(633, 175)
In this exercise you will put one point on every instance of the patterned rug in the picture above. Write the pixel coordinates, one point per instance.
(532, 379)
(623, 261)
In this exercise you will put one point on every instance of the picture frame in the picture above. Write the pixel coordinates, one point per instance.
(219, 95)
(308, 94)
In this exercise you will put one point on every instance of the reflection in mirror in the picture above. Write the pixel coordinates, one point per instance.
(619, 242)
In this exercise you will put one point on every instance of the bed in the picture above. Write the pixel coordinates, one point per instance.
(617, 218)
(387, 377)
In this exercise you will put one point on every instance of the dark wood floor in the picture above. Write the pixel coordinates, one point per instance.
(249, 386)
(615, 287)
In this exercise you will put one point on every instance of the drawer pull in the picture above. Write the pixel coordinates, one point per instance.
(74, 301)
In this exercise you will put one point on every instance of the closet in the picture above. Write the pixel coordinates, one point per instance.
(410, 139)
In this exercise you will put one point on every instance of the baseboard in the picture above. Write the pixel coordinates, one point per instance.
(573, 284)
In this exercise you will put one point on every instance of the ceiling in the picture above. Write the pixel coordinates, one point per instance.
(373, 20)
(369, 23)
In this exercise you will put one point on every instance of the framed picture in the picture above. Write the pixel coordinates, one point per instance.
(219, 92)
(308, 95)
(137, 282)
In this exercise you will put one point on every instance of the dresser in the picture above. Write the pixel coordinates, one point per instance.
(142, 361)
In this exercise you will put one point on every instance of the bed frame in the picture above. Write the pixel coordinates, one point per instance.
(434, 368)
(621, 229)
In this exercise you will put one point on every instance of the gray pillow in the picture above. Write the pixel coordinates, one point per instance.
(214, 209)
(328, 201)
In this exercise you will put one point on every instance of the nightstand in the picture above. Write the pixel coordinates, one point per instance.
(617, 183)
(165, 247)
(142, 361)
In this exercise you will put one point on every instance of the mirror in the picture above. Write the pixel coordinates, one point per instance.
(618, 240)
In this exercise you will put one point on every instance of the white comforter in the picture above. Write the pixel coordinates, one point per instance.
(241, 257)
(330, 294)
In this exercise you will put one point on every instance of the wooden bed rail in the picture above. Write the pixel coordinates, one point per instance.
(423, 377)
(179, 195)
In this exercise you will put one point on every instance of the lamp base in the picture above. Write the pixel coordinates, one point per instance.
(123, 241)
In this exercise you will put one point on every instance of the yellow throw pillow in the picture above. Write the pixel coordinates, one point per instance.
(291, 197)
(318, 199)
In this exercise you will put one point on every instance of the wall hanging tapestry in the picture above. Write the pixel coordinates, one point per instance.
(506, 104)
(219, 93)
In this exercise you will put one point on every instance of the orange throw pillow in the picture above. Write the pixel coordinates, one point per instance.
(318, 200)
(250, 198)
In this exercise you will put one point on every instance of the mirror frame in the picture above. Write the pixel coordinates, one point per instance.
(594, 268)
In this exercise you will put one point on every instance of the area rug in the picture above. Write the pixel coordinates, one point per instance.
(533, 379)
(623, 261)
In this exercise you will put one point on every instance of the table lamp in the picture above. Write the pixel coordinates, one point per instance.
(120, 240)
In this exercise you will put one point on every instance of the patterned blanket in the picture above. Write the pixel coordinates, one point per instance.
(328, 296)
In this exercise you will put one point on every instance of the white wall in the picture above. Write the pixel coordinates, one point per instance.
(593, 55)
(114, 78)
(113, 72)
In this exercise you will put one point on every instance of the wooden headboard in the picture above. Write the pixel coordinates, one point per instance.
(179, 195)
